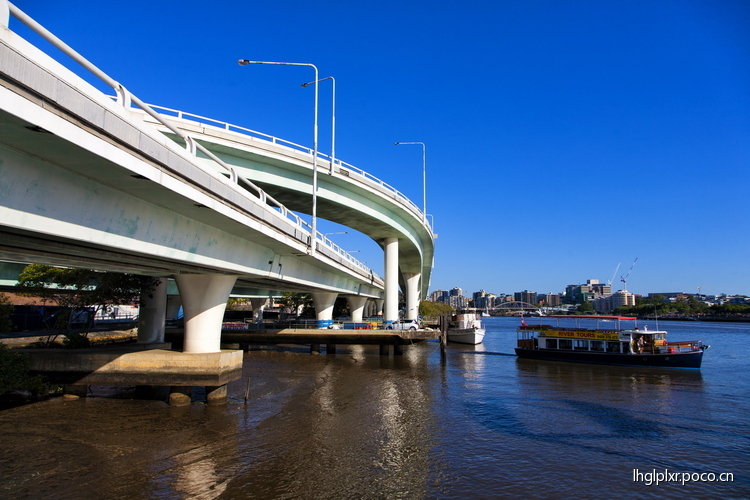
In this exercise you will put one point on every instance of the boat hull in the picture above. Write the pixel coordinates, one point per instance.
(466, 336)
(662, 360)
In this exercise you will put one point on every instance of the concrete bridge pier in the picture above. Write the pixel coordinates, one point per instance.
(324, 307)
(412, 294)
(258, 306)
(390, 311)
(357, 307)
(204, 300)
(152, 315)
(378, 307)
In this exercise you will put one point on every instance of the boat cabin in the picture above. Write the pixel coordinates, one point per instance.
(605, 335)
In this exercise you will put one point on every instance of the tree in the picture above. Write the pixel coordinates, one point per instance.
(80, 290)
(429, 309)
(6, 311)
(585, 307)
(298, 303)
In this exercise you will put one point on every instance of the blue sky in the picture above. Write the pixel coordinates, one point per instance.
(563, 137)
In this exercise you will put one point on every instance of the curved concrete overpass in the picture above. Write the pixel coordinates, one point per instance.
(87, 182)
(346, 195)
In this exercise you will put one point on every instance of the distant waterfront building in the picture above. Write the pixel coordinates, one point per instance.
(453, 298)
(484, 300)
(550, 299)
(525, 296)
(440, 296)
(610, 303)
(458, 301)
(577, 294)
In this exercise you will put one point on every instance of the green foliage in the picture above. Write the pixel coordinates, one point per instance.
(237, 303)
(428, 309)
(6, 311)
(297, 301)
(585, 307)
(81, 289)
(690, 306)
(14, 373)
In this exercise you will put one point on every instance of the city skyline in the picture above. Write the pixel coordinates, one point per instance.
(561, 138)
(613, 289)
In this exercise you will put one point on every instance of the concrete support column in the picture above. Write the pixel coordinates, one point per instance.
(379, 306)
(412, 294)
(357, 307)
(390, 311)
(258, 306)
(204, 298)
(324, 308)
(152, 315)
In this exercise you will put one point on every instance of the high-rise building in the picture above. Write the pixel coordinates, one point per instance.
(525, 296)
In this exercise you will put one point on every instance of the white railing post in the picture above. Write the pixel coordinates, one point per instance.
(4, 14)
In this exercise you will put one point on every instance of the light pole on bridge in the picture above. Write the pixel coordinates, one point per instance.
(314, 222)
(333, 117)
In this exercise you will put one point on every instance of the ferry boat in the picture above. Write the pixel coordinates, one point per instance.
(466, 328)
(603, 340)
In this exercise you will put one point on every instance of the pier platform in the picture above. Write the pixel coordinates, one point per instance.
(139, 365)
(317, 337)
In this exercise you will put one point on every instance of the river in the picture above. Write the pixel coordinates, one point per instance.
(478, 424)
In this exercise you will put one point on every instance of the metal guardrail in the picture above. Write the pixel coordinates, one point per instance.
(347, 167)
(126, 99)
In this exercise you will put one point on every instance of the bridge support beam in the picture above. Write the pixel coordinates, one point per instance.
(204, 298)
(357, 307)
(152, 315)
(324, 307)
(390, 312)
(412, 294)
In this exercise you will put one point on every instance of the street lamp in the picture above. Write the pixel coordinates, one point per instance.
(313, 242)
(424, 178)
(338, 232)
(333, 117)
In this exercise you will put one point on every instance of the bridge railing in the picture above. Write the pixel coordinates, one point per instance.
(126, 99)
(344, 167)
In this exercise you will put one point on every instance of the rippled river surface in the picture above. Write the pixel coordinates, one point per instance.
(480, 424)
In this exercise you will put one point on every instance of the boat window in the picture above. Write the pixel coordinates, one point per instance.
(566, 344)
(597, 345)
(613, 347)
(581, 345)
(551, 344)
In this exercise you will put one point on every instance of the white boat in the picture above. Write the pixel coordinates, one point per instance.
(466, 328)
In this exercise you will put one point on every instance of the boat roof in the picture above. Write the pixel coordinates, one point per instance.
(584, 316)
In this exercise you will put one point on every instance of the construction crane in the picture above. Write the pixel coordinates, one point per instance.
(624, 279)
(699, 289)
(609, 281)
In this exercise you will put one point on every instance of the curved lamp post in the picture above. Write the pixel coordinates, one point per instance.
(313, 236)
(424, 178)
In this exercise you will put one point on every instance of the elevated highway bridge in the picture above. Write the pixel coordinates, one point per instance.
(88, 181)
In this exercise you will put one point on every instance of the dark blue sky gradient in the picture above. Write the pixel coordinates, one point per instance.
(563, 137)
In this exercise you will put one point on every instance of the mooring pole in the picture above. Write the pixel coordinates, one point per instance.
(443, 335)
